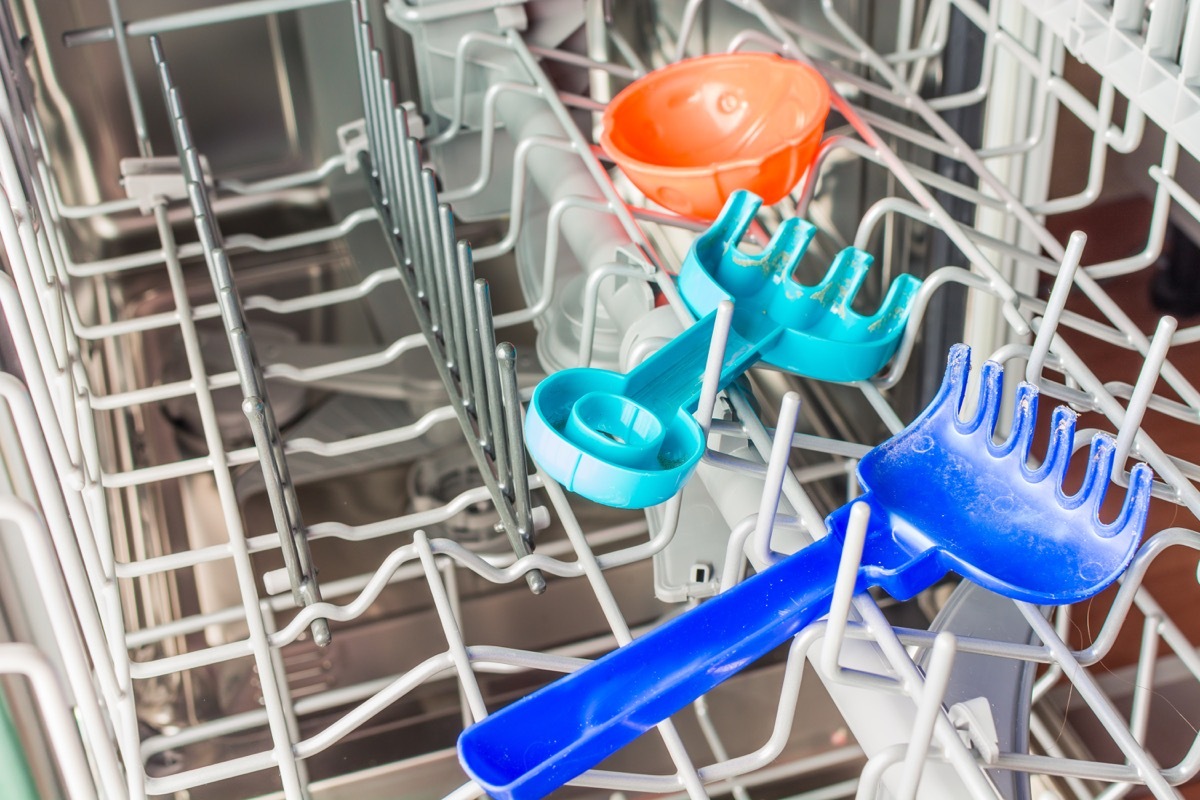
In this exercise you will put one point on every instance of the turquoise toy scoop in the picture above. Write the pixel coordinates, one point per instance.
(630, 441)
(820, 336)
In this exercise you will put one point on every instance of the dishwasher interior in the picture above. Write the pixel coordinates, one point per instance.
(281, 273)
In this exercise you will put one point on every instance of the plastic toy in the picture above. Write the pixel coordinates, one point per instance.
(690, 134)
(942, 496)
(822, 336)
(629, 441)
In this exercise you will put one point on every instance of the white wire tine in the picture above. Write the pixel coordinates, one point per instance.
(468, 791)
(591, 302)
(843, 588)
(1144, 679)
(1143, 390)
(1054, 307)
(937, 678)
(450, 627)
(871, 777)
(777, 465)
(712, 368)
(56, 717)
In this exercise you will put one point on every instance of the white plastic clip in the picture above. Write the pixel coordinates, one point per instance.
(511, 18)
(352, 140)
(975, 724)
(541, 518)
(152, 180)
(414, 120)
(1077, 32)
(277, 581)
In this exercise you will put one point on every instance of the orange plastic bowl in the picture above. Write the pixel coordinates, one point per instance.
(692, 133)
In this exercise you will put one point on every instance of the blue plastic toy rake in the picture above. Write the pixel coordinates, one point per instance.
(942, 495)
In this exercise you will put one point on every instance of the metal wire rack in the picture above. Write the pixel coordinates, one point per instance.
(504, 136)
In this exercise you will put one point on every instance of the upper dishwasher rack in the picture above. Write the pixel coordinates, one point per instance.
(133, 651)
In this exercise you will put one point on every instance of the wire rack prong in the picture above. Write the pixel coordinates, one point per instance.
(441, 287)
(285, 506)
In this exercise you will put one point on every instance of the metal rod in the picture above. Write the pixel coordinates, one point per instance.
(387, 101)
(275, 695)
(229, 12)
(281, 492)
(131, 90)
(422, 224)
(478, 381)
(491, 380)
(455, 332)
(506, 357)
(361, 48)
(404, 210)
(439, 309)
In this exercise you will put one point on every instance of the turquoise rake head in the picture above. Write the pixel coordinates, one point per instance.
(630, 441)
(820, 336)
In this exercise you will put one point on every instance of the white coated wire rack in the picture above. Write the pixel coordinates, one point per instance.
(172, 574)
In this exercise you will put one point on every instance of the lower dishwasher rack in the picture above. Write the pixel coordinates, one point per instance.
(275, 530)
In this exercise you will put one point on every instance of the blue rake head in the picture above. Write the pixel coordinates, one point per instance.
(949, 495)
(819, 334)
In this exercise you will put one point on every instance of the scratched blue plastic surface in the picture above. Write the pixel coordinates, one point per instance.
(819, 335)
(943, 496)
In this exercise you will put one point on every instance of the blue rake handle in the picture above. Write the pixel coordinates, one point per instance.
(537, 744)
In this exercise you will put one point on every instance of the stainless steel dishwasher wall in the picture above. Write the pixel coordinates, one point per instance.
(280, 205)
